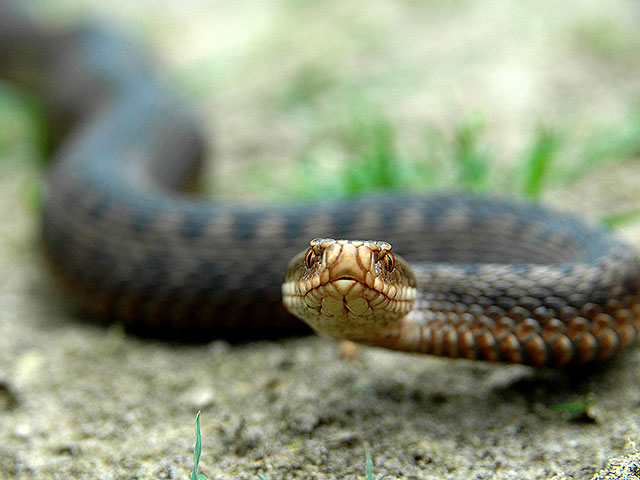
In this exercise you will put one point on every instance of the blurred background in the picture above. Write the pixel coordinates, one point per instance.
(303, 98)
(327, 97)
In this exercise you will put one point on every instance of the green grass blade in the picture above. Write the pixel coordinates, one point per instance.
(197, 450)
(618, 220)
(368, 466)
(537, 163)
(576, 410)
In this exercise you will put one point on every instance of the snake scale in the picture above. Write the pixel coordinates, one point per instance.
(485, 277)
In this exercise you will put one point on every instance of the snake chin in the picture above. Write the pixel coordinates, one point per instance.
(349, 288)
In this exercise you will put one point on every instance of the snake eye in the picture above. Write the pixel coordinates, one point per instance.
(309, 258)
(389, 261)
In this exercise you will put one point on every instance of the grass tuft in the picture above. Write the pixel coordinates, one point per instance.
(378, 165)
(610, 144)
(470, 155)
(22, 127)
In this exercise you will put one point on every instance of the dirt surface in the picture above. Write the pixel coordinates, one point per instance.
(80, 400)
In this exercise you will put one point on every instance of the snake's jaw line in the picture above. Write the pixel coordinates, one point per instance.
(345, 289)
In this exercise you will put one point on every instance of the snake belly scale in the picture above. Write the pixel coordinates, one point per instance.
(488, 278)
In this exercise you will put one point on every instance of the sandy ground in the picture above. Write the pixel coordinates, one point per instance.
(79, 400)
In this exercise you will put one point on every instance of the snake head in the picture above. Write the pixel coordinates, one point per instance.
(349, 289)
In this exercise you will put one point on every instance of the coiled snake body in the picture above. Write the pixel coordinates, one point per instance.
(493, 279)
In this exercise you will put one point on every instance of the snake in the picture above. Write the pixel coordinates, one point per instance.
(479, 277)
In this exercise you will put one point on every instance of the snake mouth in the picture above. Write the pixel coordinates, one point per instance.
(349, 278)
(346, 298)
